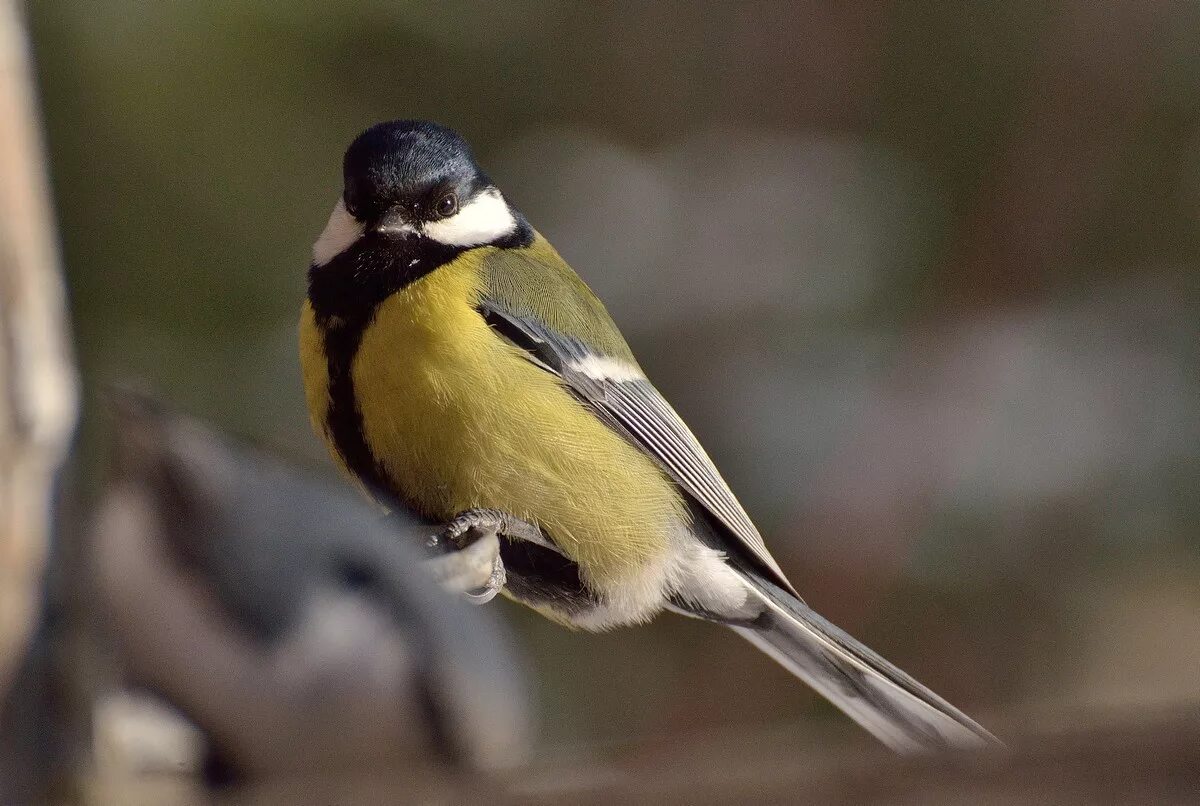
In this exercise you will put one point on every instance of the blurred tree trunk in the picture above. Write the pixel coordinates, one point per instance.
(37, 380)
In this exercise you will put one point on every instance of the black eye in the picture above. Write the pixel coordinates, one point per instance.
(446, 206)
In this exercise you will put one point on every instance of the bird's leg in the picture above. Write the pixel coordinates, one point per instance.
(471, 562)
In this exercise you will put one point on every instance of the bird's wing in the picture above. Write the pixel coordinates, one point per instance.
(620, 395)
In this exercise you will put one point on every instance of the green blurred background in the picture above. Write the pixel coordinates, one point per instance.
(921, 276)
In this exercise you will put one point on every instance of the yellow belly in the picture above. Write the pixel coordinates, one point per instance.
(460, 419)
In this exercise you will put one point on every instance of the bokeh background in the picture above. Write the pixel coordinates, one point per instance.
(923, 277)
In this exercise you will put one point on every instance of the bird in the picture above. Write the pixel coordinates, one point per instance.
(457, 367)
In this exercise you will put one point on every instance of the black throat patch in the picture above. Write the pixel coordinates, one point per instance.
(345, 293)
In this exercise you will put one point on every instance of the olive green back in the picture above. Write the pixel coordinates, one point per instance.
(535, 281)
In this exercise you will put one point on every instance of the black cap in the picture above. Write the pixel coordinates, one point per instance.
(402, 161)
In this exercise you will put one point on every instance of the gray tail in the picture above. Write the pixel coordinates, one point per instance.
(895, 708)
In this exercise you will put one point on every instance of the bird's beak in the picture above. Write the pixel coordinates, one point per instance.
(395, 223)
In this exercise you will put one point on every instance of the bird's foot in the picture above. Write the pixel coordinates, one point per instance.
(493, 520)
(469, 545)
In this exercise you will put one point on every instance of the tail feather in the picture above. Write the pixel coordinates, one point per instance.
(890, 704)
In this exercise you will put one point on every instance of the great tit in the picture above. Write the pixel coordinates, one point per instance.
(458, 367)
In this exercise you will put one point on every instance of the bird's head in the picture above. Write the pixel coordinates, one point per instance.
(408, 180)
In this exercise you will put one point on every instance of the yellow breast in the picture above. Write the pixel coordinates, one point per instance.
(459, 419)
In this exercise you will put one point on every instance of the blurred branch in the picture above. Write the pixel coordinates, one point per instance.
(288, 620)
(37, 380)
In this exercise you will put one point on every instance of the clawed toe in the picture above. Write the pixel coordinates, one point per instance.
(479, 520)
(495, 583)
(471, 564)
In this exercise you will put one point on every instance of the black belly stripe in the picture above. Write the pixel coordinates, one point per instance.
(344, 417)
(345, 294)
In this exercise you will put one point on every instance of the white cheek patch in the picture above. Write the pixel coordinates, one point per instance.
(341, 231)
(606, 368)
(484, 219)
